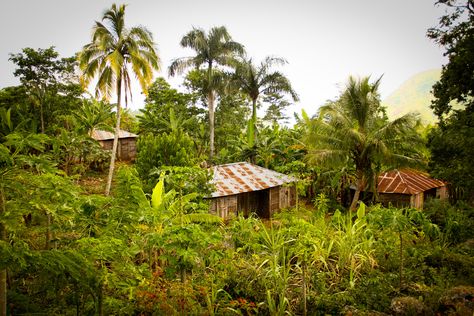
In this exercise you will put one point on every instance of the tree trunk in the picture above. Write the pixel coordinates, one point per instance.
(355, 199)
(254, 120)
(116, 138)
(210, 101)
(3, 272)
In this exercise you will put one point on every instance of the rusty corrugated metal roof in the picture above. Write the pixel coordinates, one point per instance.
(406, 182)
(105, 135)
(240, 177)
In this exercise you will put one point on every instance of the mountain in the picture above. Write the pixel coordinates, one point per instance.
(414, 95)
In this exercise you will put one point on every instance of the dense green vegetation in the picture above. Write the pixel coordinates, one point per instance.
(150, 247)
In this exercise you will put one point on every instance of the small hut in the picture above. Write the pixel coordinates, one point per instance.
(126, 148)
(243, 188)
(408, 187)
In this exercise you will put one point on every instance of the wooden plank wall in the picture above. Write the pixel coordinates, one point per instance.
(274, 201)
(416, 200)
(127, 148)
(265, 202)
(397, 200)
(224, 206)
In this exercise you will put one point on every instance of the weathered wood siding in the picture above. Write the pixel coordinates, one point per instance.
(224, 206)
(395, 199)
(126, 150)
(442, 193)
(287, 196)
(416, 200)
(264, 202)
(402, 200)
(274, 202)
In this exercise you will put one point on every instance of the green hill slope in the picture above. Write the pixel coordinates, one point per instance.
(414, 95)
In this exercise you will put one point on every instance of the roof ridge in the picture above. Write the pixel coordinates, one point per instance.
(406, 182)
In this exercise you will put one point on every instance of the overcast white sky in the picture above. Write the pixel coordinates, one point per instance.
(323, 41)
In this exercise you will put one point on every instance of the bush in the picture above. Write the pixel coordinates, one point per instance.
(455, 221)
(174, 149)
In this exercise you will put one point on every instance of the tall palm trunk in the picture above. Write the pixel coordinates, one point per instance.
(254, 120)
(252, 134)
(116, 137)
(359, 187)
(210, 101)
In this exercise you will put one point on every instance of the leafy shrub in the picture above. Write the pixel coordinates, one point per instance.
(77, 153)
(455, 221)
(174, 149)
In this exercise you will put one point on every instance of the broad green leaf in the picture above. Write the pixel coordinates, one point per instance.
(361, 210)
(157, 195)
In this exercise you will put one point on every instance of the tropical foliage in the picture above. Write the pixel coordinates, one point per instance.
(354, 131)
(151, 247)
(255, 81)
(213, 49)
(115, 48)
(451, 141)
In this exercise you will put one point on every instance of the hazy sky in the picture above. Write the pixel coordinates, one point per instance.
(323, 41)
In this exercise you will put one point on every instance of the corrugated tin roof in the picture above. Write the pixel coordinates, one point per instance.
(406, 182)
(240, 177)
(105, 135)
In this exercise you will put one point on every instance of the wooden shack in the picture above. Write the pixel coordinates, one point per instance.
(127, 143)
(244, 188)
(409, 188)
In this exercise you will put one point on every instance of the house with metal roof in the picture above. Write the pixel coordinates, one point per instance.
(409, 187)
(244, 188)
(127, 143)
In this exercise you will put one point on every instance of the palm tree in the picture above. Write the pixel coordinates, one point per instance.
(354, 130)
(255, 81)
(114, 52)
(212, 49)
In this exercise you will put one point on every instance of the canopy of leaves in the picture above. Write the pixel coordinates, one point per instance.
(451, 143)
(456, 33)
(50, 84)
(168, 110)
(353, 132)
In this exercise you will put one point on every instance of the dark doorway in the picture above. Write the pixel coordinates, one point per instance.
(254, 202)
(263, 199)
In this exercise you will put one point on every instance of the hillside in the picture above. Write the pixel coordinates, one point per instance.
(414, 95)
